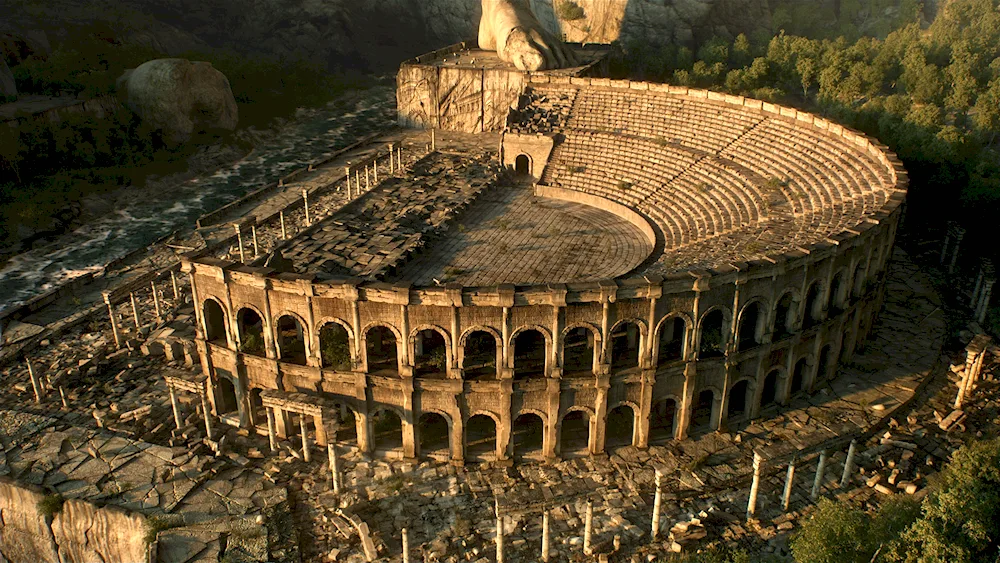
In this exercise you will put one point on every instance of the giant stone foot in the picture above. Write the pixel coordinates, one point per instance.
(511, 29)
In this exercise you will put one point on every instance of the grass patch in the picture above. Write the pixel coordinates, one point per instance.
(157, 524)
(569, 10)
(625, 186)
(50, 505)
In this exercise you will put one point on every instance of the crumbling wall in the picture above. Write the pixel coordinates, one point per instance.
(79, 533)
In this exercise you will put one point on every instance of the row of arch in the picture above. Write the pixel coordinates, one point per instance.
(480, 357)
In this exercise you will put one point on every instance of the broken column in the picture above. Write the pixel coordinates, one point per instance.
(347, 177)
(786, 496)
(305, 437)
(156, 299)
(820, 470)
(849, 464)
(588, 528)
(499, 534)
(177, 292)
(755, 486)
(406, 545)
(208, 420)
(239, 241)
(281, 217)
(175, 406)
(114, 321)
(256, 247)
(272, 439)
(35, 385)
(135, 310)
(334, 468)
(545, 536)
(305, 203)
(657, 503)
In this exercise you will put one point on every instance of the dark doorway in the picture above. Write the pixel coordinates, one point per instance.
(227, 396)
(291, 341)
(215, 323)
(749, 322)
(480, 360)
(522, 165)
(661, 421)
(578, 352)
(769, 391)
(712, 341)
(481, 438)
(380, 348)
(335, 347)
(251, 332)
(529, 434)
(671, 341)
(388, 430)
(737, 401)
(574, 436)
(529, 355)
(432, 431)
(620, 427)
(799, 376)
(625, 346)
(701, 417)
(431, 357)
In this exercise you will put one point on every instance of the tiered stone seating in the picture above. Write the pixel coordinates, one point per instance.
(721, 181)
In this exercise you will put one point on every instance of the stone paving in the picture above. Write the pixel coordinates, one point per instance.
(510, 236)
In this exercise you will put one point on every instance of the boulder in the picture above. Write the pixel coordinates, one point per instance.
(179, 97)
(8, 89)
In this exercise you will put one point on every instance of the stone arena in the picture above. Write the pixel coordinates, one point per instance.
(608, 263)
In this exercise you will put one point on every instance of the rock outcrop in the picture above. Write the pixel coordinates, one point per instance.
(8, 89)
(179, 97)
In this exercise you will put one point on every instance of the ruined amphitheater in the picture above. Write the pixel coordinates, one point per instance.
(589, 263)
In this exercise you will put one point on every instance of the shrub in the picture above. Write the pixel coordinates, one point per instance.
(50, 505)
(569, 10)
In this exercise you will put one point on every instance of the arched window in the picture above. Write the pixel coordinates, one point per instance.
(529, 354)
(480, 359)
(574, 436)
(625, 346)
(522, 164)
(769, 390)
(481, 438)
(431, 354)
(712, 343)
(528, 434)
(662, 420)
(291, 341)
(335, 347)
(814, 306)
(784, 316)
(620, 427)
(578, 352)
(380, 348)
(837, 297)
(215, 323)
(432, 433)
(388, 430)
(750, 326)
(251, 328)
(738, 401)
(671, 341)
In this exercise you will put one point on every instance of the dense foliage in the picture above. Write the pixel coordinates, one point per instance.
(932, 95)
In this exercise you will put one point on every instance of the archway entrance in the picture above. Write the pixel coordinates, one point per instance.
(661, 421)
(522, 165)
(529, 355)
(529, 434)
(380, 348)
(291, 341)
(799, 376)
(737, 401)
(574, 437)
(578, 352)
(227, 402)
(701, 417)
(480, 438)
(625, 346)
(387, 430)
(430, 354)
(671, 341)
(335, 347)
(480, 359)
(215, 323)
(432, 432)
(251, 332)
(769, 391)
(620, 427)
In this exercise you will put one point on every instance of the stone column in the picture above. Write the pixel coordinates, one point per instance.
(114, 322)
(499, 533)
(849, 464)
(208, 419)
(177, 291)
(434, 139)
(347, 178)
(755, 486)
(588, 528)
(335, 479)
(135, 310)
(305, 437)
(406, 546)
(545, 536)
(657, 504)
(281, 218)
(598, 425)
(271, 437)
(175, 406)
(305, 203)
(239, 241)
(786, 496)
(156, 299)
(256, 245)
(820, 471)
(35, 385)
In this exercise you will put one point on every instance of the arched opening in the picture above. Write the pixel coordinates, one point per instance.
(671, 341)
(529, 434)
(380, 349)
(433, 436)
(215, 323)
(784, 316)
(430, 357)
(769, 390)
(625, 346)
(814, 307)
(480, 361)
(701, 416)
(226, 398)
(346, 424)
(620, 427)
(251, 328)
(529, 355)
(799, 376)
(257, 407)
(823, 367)
(574, 436)
(661, 421)
(859, 279)
(750, 326)
(712, 341)
(522, 164)
(837, 298)
(335, 347)
(578, 352)
(291, 341)
(387, 430)
(737, 409)
(480, 438)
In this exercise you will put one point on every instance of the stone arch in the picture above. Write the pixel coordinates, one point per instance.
(379, 355)
(800, 376)
(860, 278)
(663, 418)
(429, 362)
(523, 164)
(574, 429)
(387, 428)
(785, 313)
(346, 416)
(292, 339)
(528, 436)
(704, 408)
(738, 399)
(526, 359)
(713, 333)
(251, 332)
(481, 439)
(619, 429)
(216, 321)
(226, 396)
(671, 338)
(838, 299)
(432, 437)
(580, 349)
(770, 387)
(823, 364)
(627, 337)
(751, 324)
(474, 357)
(336, 344)
(813, 312)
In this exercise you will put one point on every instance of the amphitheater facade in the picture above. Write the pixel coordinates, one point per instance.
(737, 257)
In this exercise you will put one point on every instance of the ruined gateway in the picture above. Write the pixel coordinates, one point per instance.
(538, 267)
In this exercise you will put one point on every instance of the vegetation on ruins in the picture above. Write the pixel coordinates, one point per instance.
(50, 505)
(335, 351)
(569, 10)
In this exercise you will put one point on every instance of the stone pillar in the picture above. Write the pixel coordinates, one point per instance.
(434, 139)
(272, 439)
(305, 203)
(208, 419)
(177, 291)
(368, 180)
(305, 437)
(392, 168)
(284, 232)
(239, 241)
(849, 464)
(406, 546)
(135, 310)
(657, 504)
(786, 496)
(256, 245)
(588, 528)
(176, 408)
(499, 532)
(156, 299)
(820, 471)
(545, 536)
(114, 322)
(335, 478)
(35, 385)
(755, 486)
(347, 178)
(598, 425)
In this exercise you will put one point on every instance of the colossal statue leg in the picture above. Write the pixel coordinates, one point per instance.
(512, 30)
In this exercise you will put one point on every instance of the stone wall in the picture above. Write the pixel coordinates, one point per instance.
(78, 533)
